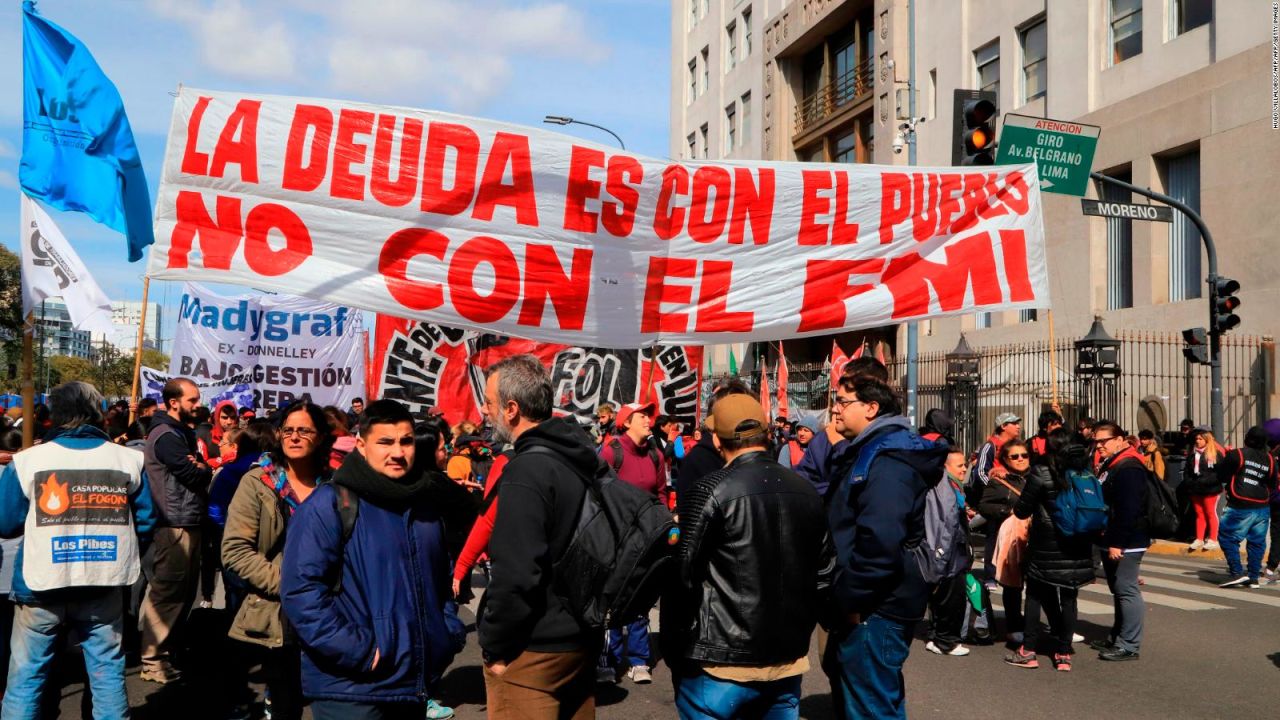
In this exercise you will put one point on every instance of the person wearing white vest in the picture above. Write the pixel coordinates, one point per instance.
(82, 507)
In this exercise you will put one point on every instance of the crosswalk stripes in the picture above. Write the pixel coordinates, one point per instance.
(1151, 598)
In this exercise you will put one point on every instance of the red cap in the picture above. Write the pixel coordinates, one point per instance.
(624, 414)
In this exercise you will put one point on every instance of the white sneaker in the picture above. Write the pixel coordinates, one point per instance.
(1197, 545)
(1241, 581)
(1077, 638)
(1211, 545)
(639, 675)
(957, 651)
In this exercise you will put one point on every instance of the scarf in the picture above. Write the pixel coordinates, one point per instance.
(274, 477)
(369, 484)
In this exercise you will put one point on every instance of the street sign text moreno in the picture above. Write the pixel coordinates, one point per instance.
(1062, 150)
(1129, 211)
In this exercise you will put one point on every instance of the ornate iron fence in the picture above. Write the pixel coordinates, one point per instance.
(1155, 387)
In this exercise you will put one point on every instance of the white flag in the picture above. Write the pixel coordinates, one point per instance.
(50, 268)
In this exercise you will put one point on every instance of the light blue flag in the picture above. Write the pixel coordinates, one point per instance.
(77, 148)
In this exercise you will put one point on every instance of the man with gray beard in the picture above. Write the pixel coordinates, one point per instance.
(539, 658)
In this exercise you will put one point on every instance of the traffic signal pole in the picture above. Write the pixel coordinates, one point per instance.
(913, 327)
(1215, 332)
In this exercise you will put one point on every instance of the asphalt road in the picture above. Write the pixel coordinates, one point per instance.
(1208, 653)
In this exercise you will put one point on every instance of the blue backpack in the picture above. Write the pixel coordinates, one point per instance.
(1080, 509)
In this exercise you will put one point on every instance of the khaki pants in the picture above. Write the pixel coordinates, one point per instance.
(544, 686)
(174, 576)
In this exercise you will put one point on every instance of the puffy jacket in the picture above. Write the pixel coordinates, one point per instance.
(1052, 557)
(253, 548)
(756, 564)
(997, 500)
(541, 498)
(876, 515)
(179, 487)
(394, 586)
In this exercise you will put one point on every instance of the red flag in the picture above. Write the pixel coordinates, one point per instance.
(782, 383)
(838, 361)
(766, 402)
(880, 353)
(858, 353)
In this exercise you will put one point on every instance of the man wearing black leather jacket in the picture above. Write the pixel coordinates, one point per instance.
(756, 562)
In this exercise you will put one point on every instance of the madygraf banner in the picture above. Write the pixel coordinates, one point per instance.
(527, 233)
(429, 366)
(283, 348)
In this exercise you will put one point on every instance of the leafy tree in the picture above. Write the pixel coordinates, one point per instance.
(64, 368)
(10, 315)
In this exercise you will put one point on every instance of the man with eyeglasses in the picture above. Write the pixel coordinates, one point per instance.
(876, 515)
(1125, 541)
(179, 483)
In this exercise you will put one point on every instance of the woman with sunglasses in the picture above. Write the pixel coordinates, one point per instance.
(1057, 565)
(253, 546)
(996, 505)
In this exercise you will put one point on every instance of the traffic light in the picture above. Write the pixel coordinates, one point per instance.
(974, 121)
(1197, 349)
(1225, 303)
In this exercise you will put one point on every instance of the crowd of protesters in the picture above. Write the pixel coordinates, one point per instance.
(341, 541)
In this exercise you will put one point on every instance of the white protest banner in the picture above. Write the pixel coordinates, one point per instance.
(50, 268)
(237, 389)
(523, 232)
(289, 348)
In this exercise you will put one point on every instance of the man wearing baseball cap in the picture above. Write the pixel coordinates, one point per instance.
(755, 567)
(634, 456)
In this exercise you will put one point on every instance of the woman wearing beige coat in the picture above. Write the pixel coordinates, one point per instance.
(253, 546)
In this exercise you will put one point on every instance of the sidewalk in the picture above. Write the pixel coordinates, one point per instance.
(1173, 547)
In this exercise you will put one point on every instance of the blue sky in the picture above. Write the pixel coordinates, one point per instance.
(606, 61)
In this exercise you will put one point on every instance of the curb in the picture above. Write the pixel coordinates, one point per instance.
(1170, 547)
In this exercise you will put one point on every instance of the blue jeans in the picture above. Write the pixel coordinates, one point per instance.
(98, 621)
(702, 697)
(871, 657)
(1251, 526)
(634, 648)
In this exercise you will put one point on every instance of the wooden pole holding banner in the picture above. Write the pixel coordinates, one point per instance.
(28, 382)
(1053, 360)
(648, 383)
(137, 353)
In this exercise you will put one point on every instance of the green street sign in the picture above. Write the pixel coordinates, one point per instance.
(1062, 150)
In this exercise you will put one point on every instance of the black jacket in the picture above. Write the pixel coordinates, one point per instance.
(1247, 473)
(756, 564)
(1204, 481)
(1052, 557)
(179, 487)
(702, 460)
(541, 498)
(997, 501)
(1124, 488)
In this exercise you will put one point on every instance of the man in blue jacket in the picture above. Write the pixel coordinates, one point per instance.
(82, 507)
(365, 579)
(876, 514)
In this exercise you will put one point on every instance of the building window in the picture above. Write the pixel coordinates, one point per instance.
(1187, 15)
(693, 80)
(846, 148)
(693, 14)
(868, 127)
(731, 50)
(706, 4)
(1034, 65)
(746, 33)
(746, 117)
(813, 153)
(1028, 315)
(1183, 181)
(1119, 247)
(703, 133)
(931, 101)
(1126, 29)
(844, 52)
(987, 60)
(706, 71)
(982, 320)
(693, 146)
(730, 128)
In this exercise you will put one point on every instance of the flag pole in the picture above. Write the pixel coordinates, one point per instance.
(653, 362)
(1053, 359)
(137, 353)
(28, 383)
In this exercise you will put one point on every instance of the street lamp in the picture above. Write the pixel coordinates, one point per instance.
(562, 120)
(1098, 367)
(961, 394)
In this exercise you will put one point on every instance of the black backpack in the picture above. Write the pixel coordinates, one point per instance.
(622, 552)
(615, 455)
(1162, 509)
